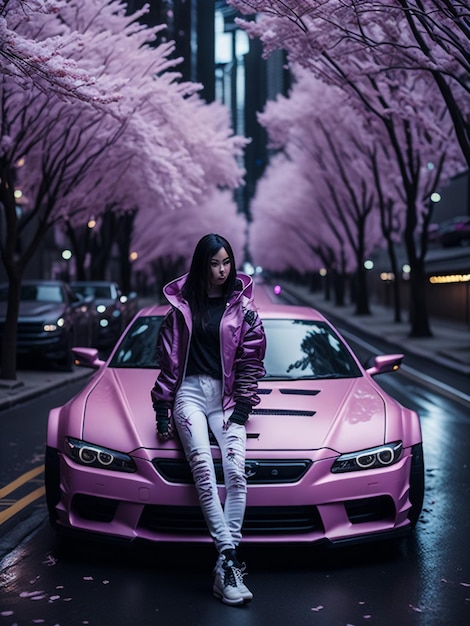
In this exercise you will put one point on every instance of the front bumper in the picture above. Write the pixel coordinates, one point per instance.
(320, 507)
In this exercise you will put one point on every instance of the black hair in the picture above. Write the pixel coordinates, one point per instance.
(197, 282)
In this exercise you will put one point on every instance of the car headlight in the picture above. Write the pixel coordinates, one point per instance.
(53, 326)
(101, 308)
(97, 456)
(373, 458)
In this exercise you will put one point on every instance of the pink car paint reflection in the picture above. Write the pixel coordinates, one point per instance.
(330, 456)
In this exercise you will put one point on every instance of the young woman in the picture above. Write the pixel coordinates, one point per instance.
(211, 350)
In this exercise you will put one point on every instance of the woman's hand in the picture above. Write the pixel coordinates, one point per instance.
(164, 429)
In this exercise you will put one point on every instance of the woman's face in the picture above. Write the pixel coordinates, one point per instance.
(219, 270)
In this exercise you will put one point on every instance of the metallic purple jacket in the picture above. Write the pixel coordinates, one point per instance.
(242, 346)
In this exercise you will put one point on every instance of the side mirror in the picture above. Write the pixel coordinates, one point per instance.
(385, 363)
(87, 357)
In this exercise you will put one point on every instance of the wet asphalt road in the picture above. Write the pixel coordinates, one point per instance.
(424, 580)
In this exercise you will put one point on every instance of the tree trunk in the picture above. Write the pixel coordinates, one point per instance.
(8, 364)
(14, 272)
(327, 280)
(338, 280)
(78, 238)
(419, 317)
(124, 237)
(396, 281)
(362, 293)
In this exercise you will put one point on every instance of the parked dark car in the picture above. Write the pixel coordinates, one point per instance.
(52, 319)
(455, 232)
(110, 308)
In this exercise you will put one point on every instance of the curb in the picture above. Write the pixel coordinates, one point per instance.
(18, 392)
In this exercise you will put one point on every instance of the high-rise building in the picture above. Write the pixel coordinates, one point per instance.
(230, 67)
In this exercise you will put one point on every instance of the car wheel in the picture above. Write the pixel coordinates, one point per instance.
(416, 495)
(52, 483)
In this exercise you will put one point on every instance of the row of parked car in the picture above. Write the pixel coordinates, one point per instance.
(55, 315)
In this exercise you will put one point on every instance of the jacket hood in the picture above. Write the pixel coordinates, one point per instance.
(172, 291)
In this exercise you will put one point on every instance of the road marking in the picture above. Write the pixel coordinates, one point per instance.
(14, 506)
(21, 504)
(18, 482)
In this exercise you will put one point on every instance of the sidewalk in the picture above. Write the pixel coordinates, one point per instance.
(449, 346)
(32, 383)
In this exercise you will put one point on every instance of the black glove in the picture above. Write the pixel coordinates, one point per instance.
(240, 412)
(164, 428)
(163, 425)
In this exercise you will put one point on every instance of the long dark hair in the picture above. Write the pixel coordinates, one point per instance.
(195, 287)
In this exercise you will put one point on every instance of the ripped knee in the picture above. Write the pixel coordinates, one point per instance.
(202, 471)
(235, 474)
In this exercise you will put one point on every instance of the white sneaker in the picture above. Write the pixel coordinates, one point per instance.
(228, 581)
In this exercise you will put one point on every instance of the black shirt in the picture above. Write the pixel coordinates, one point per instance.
(204, 351)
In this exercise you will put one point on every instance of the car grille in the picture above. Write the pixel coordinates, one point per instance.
(259, 520)
(283, 412)
(30, 328)
(259, 472)
(26, 329)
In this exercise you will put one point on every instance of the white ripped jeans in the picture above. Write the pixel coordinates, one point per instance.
(198, 406)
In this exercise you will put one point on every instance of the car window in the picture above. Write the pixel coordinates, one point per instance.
(104, 292)
(138, 347)
(42, 293)
(83, 291)
(96, 291)
(306, 349)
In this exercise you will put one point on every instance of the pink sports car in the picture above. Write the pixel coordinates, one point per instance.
(330, 456)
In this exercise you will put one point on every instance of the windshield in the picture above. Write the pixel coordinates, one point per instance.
(306, 349)
(36, 293)
(295, 349)
(138, 348)
(96, 291)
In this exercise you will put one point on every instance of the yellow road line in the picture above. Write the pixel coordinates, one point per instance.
(21, 504)
(4, 491)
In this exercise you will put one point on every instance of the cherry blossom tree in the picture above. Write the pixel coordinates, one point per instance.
(333, 41)
(327, 142)
(277, 239)
(429, 35)
(164, 243)
(47, 62)
(154, 149)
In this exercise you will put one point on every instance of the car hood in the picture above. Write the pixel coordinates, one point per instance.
(338, 415)
(38, 310)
